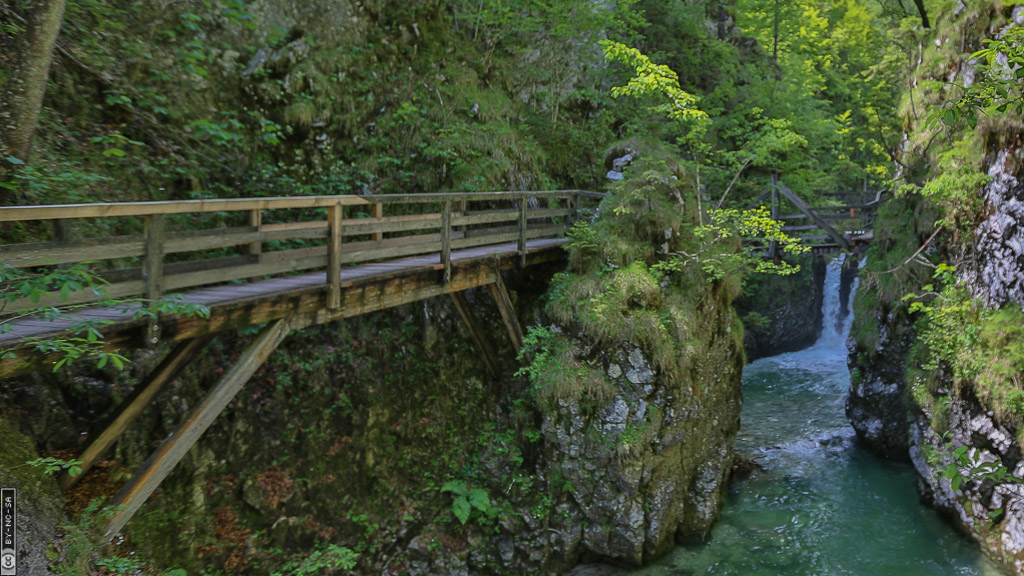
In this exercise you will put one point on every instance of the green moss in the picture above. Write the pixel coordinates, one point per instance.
(612, 294)
(865, 329)
(999, 365)
(17, 451)
(925, 388)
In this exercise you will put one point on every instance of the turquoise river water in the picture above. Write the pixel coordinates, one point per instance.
(821, 504)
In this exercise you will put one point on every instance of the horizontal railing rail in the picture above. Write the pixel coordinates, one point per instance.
(142, 256)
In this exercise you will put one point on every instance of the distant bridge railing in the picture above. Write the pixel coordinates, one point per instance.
(149, 249)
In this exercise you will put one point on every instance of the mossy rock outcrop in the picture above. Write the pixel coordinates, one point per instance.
(638, 380)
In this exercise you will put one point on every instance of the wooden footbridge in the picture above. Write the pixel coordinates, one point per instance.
(822, 228)
(281, 263)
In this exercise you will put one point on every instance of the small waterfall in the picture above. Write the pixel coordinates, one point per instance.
(835, 322)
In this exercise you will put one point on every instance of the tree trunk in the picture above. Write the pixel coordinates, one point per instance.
(23, 96)
(924, 14)
(775, 35)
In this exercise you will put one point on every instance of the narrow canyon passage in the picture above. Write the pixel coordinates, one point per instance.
(821, 504)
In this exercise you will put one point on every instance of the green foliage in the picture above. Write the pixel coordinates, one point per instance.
(955, 186)
(655, 80)
(837, 76)
(322, 559)
(77, 551)
(949, 323)
(980, 347)
(51, 465)
(67, 185)
(119, 564)
(466, 499)
(17, 283)
(751, 226)
(998, 364)
(555, 375)
(997, 82)
(966, 464)
(83, 339)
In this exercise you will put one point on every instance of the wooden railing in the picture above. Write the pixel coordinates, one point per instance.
(261, 237)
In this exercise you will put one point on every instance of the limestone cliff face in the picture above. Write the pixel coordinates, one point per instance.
(992, 512)
(902, 410)
(950, 415)
(993, 271)
(649, 465)
(996, 275)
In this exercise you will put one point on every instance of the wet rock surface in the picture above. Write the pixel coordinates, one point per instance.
(786, 312)
(991, 511)
(649, 466)
(875, 406)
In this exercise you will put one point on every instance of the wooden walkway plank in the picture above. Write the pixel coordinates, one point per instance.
(133, 495)
(235, 299)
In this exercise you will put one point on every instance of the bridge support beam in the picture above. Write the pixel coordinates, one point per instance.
(134, 405)
(479, 339)
(133, 495)
(806, 209)
(508, 313)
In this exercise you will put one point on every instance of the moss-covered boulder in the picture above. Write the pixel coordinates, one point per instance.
(638, 379)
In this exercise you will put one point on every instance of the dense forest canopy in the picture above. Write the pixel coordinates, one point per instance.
(220, 99)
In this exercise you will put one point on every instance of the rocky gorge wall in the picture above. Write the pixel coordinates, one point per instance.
(638, 376)
(935, 382)
(782, 313)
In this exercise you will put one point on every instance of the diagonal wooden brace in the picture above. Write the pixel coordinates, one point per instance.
(811, 213)
(508, 313)
(133, 495)
(137, 402)
(483, 345)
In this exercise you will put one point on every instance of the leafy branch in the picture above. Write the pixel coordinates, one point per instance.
(717, 260)
(51, 465)
(997, 84)
(84, 339)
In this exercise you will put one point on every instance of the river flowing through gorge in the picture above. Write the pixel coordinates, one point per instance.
(820, 504)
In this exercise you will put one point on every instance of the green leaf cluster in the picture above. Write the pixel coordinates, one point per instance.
(466, 499)
(51, 465)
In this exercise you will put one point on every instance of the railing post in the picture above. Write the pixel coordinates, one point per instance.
(62, 234)
(522, 230)
(774, 246)
(446, 239)
(463, 210)
(153, 271)
(255, 249)
(335, 216)
(377, 211)
(62, 230)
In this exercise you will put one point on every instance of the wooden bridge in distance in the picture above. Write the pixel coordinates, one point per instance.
(819, 227)
(284, 263)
